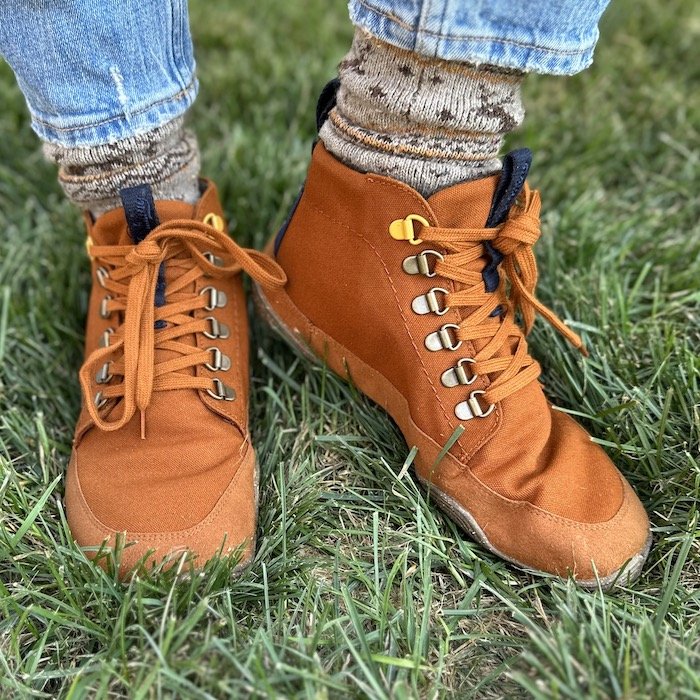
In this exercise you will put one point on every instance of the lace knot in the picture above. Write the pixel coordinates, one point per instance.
(518, 234)
(147, 252)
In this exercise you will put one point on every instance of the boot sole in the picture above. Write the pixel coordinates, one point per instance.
(626, 574)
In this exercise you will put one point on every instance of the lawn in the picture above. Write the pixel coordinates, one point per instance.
(360, 588)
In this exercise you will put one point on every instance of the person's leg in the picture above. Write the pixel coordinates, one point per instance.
(107, 85)
(410, 266)
(162, 450)
(429, 89)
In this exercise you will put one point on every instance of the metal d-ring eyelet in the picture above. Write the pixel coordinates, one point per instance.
(428, 303)
(218, 329)
(102, 274)
(103, 376)
(215, 221)
(104, 313)
(219, 360)
(221, 392)
(104, 339)
(418, 264)
(403, 230)
(457, 375)
(217, 298)
(212, 259)
(442, 339)
(100, 400)
(471, 408)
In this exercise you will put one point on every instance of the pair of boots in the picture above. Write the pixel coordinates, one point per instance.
(414, 300)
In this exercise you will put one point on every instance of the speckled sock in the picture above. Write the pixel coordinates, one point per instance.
(166, 158)
(427, 122)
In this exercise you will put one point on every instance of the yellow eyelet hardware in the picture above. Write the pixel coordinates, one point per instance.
(215, 221)
(402, 229)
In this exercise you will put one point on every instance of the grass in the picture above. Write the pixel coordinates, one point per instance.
(360, 588)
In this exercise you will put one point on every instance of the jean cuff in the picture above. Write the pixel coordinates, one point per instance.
(73, 133)
(498, 51)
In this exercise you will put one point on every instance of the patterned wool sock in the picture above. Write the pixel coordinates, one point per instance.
(427, 122)
(167, 158)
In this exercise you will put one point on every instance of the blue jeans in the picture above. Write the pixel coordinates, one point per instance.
(96, 71)
(539, 36)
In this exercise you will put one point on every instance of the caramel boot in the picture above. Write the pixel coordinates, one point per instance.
(162, 457)
(414, 301)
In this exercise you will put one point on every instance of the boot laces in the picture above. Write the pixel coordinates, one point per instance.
(490, 318)
(130, 274)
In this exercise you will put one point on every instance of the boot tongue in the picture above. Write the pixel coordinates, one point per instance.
(484, 203)
(141, 218)
(138, 217)
(139, 211)
(465, 205)
(516, 166)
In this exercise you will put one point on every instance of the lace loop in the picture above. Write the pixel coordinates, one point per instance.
(132, 282)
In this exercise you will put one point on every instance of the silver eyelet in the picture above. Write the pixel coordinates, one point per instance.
(471, 408)
(219, 361)
(457, 375)
(104, 313)
(100, 400)
(102, 274)
(217, 298)
(213, 259)
(104, 340)
(442, 339)
(428, 302)
(218, 329)
(103, 376)
(221, 391)
(418, 264)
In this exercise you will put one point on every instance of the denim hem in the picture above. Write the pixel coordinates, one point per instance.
(115, 127)
(493, 50)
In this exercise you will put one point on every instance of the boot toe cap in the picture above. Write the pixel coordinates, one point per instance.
(228, 527)
(611, 552)
(600, 553)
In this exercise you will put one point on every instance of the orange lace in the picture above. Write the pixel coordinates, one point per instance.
(131, 278)
(514, 239)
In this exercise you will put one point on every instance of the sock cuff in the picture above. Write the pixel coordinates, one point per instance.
(139, 147)
(428, 122)
(434, 144)
(166, 158)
